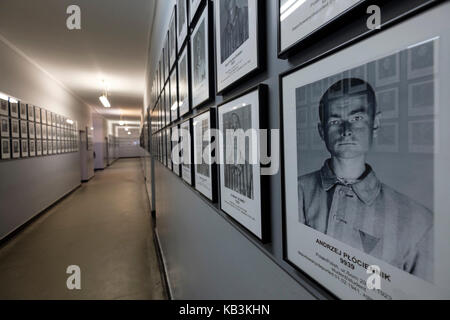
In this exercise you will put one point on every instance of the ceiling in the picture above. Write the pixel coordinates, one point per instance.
(112, 45)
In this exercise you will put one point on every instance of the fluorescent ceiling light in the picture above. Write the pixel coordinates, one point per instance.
(105, 102)
(69, 121)
(3, 96)
(12, 100)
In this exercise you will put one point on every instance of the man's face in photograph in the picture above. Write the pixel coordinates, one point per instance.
(348, 126)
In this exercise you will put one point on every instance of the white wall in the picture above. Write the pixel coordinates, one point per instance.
(28, 186)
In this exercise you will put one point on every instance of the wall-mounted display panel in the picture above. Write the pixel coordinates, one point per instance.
(24, 148)
(186, 152)
(237, 40)
(15, 129)
(241, 184)
(182, 22)
(5, 149)
(364, 191)
(201, 49)
(23, 110)
(15, 148)
(4, 127)
(174, 109)
(183, 82)
(14, 108)
(204, 165)
(175, 147)
(173, 39)
(4, 107)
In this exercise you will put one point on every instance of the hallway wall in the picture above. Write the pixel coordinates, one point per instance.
(207, 255)
(28, 186)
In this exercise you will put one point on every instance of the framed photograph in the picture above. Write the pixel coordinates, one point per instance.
(182, 23)
(173, 39)
(164, 115)
(49, 118)
(37, 114)
(31, 130)
(205, 168)
(183, 82)
(169, 148)
(38, 131)
(24, 148)
(166, 97)
(186, 152)
(32, 147)
(242, 188)
(53, 117)
(15, 130)
(14, 108)
(23, 110)
(44, 148)
(299, 20)
(422, 61)
(422, 96)
(174, 96)
(237, 40)
(15, 148)
(166, 58)
(176, 159)
(4, 127)
(50, 147)
(161, 71)
(4, 107)
(202, 51)
(367, 199)
(23, 129)
(6, 149)
(44, 116)
(194, 6)
(38, 147)
(31, 116)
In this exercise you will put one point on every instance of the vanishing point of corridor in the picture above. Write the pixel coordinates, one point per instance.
(104, 227)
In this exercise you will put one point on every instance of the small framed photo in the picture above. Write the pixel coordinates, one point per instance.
(15, 148)
(32, 147)
(50, 147)
(6, 149)
(169, 148)
(205, 168)
(166, 58)
(37, 114)
(237, 40)
(55, 147)
(173, 39)
(166, 98)
(49, 118)
(183, 82)
(23, 110)
(31, 130)
(388, 102)
(15, 130)
(202, 53)
(387, 139)
(422, 136)
(38, 131)
(58, 121)
(174, 95)
(58, 147)
(4, 127)
(44, 147)
(422, 98)
(24, 148)
(182, 22)
(14, 108)
(53, 119)
(242, 187)
(23, 129)
(423, 60)
(44, 131)
(31, 116)
(164, 115)
(44, 116)
(387, 70)
(186, 152)
(38, 147)
(4, 107)
(176, 159)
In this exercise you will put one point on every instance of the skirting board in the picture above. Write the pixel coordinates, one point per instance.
(162, 262)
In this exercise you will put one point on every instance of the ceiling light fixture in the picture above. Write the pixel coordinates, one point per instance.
(104, 97)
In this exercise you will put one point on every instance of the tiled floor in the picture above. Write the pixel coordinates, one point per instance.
(104, 228)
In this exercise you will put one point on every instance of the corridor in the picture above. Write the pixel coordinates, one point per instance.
(104, 227)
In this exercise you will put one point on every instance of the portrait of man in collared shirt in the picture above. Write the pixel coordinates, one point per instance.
(234, 26)
(346, 200)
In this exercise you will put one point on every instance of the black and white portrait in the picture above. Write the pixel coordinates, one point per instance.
(15, 148)
(186, 153)
(182, 22)
(30, 112)
(183, 82)
(24, 148)
(201, 146)
(15, 131)
(4, 126)
(6, 150)
(23, 111)
(238, 47)
(32, 148)
(364, 164)
(172, 40)
(238, 170)
(4, 109)
(234, 26)
(174, 95)
(199, 48)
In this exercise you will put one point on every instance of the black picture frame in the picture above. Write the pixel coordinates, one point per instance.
(191, 155)
(185, 51)
(174, 97)
(207, 9)
(213, 167)
(261, 44)
(173, 54)
(193, 13)
(396, 11)
(181, 42)
(262, 91)
(176, 168)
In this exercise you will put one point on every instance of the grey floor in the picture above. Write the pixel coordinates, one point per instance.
(104, 228)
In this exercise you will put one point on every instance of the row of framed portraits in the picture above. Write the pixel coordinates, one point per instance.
(391, 220)
(27, 148)
(191, 149)
(185, 71)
